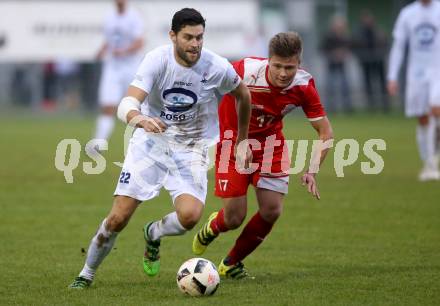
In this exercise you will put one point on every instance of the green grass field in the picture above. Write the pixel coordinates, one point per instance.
(371, 240)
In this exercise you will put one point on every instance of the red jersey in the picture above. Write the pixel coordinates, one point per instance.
(269, 104)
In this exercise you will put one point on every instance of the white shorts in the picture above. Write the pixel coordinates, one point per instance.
(278, 184)
(149, 166)
(422, 93)
(114, 83)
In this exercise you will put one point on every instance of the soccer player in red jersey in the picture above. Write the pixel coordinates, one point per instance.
(277, 86)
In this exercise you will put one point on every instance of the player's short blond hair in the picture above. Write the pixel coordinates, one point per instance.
(286, 44)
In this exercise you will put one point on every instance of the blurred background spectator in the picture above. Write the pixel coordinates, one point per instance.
(371, 46)
(66, 84)
(335, 47)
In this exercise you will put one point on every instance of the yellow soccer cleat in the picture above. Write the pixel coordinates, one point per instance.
(236, 271)
(204, 236)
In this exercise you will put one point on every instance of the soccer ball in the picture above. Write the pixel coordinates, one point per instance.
(198, 277)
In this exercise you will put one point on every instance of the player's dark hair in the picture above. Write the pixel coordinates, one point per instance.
(184, 17)
(286, 44)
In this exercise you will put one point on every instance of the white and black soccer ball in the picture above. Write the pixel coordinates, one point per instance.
(198, 277)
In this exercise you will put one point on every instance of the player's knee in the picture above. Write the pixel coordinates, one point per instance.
(271, 214)
(116, 222)
(235, 220)
(189, 219)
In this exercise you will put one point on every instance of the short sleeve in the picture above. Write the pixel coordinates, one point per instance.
(229, 81)
(148, 71)
(312, 106)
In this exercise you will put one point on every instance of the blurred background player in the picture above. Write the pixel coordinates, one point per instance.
(180, 84)
(121, 53)
(418, 25)
(277, 86)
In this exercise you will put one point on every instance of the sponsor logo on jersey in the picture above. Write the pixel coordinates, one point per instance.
(176, 116)
(204, 80)
(425, 33)
(288, 109)
(181, 83)
(179, 99)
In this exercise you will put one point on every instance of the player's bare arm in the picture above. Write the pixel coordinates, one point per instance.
(395, 61)
(243, 97)
(325, 132)
(396, 58)
(129, 109)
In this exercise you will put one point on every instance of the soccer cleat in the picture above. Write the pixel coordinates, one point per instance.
(236, 271)
(204, 236)
(151, 260)
(429, 175)
(430, 170)
(80, 283)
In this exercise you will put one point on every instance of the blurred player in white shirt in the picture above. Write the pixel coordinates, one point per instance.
(121, 54)
(179, 87)
(418, 25)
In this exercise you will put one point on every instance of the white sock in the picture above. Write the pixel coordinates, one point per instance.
(99, 247)
(168, 226)
(104, 126)
(87, 272)
(430, 144)
(426, 140)
(421, 141)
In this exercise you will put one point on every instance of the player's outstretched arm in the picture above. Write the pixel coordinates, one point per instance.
(243, 98)
(129, 111)
(325, 132)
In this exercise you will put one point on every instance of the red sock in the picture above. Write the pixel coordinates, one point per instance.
(218, 224)
(250, 238)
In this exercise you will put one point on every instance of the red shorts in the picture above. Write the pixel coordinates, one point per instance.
(270, 170)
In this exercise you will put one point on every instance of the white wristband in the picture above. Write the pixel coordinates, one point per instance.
(128, 104)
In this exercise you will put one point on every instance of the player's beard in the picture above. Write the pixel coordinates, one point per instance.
(190, 61)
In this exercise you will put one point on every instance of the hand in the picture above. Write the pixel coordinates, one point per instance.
(243, 153)
(309, 180)
(393, 88)
(153, 125)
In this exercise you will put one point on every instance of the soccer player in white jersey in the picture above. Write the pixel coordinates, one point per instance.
(418, 25)
(180, 86)
(121, 54)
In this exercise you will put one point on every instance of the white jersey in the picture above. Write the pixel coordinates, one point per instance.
(120, 31)
(419, 26)
(184, 98)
